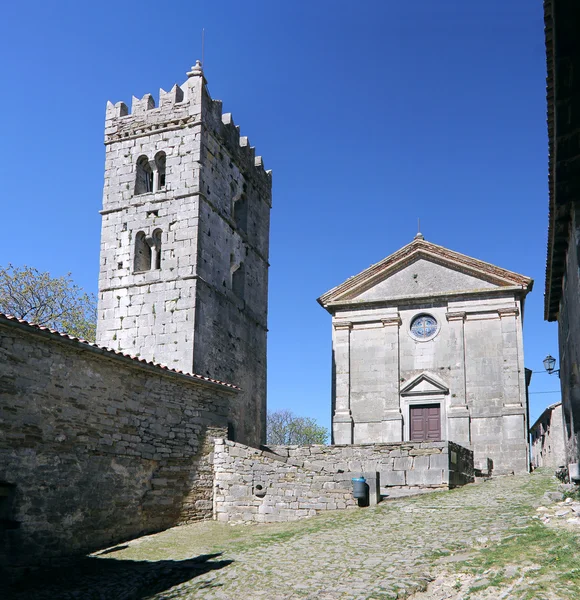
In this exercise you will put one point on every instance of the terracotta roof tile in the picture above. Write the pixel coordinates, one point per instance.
(13, 319)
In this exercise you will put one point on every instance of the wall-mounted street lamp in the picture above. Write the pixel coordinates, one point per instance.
(549, 364)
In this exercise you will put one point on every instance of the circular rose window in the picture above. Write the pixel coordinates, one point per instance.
(424, 327)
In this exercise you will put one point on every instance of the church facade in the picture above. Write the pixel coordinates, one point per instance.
(427, 345)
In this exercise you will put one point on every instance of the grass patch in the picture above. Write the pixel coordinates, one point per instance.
(573, 494)
(556, 554)
(539, 482)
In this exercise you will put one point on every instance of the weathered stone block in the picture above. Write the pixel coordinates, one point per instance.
(402, 464)
(390, 478)
(425, 478)
(421, 462)
(439, 461)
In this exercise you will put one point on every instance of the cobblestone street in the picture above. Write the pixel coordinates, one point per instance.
(390, 551)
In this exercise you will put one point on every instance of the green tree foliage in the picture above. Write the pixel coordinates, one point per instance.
(55, 302)
(283, 427)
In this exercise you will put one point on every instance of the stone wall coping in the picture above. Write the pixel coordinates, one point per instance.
(10, 322)
(440, 444)
(281, 452)
(285, 483)
(401, 300)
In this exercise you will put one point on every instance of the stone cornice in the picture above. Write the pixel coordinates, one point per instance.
(397, 301)
(389, 321)
(421, 249)
(342, 325)
(142, 128)
(455, 316)
(511, 311)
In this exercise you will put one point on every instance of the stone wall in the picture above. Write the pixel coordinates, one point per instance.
(569, 340)
(473, 369)
(547, 438)
(286, 483)
(98, 447)
(562, 297)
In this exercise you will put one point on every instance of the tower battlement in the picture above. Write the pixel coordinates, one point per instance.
(185, 243)
(183, 106)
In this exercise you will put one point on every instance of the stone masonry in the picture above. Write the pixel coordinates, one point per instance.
(184, 244)
(548, 448)
(97, 447)
(429, 331)
(562, 294)
(286, 483)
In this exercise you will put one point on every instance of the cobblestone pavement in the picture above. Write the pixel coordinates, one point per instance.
(388, 551)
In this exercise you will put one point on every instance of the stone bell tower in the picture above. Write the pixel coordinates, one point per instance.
(184, 244)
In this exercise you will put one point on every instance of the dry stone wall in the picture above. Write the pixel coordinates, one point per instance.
(286, 483)
(96, 447)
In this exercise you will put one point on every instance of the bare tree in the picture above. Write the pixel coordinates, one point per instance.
(283, 428)
(56, 302)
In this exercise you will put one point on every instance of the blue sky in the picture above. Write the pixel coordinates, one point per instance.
(370, 115)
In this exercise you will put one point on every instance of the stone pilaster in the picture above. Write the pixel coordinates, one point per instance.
(511, 376)
(342, 424)
(392, 417)
(459, 429)
(515, 447)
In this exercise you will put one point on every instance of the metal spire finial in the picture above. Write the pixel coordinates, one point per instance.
(419, 235)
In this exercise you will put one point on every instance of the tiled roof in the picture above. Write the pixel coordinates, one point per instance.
(562, 21)
(420, 248)
(551, 300)
(9, 319)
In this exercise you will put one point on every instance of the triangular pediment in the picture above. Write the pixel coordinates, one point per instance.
(423, 269)
(424, 384)
(422, 276)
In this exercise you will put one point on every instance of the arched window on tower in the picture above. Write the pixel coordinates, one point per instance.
(156, 249)
(142, 260)
(160, 170)
(144, 178)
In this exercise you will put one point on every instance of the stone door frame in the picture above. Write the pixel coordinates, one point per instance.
(420, 400)
(425, 421)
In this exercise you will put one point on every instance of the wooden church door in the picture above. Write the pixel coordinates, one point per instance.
(425, 423)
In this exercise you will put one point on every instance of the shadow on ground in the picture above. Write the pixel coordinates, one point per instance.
(112, 579)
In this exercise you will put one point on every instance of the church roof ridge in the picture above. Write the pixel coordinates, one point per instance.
(417, 247)
(12, 320)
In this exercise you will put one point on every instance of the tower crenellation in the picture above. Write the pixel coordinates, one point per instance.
(185, 242)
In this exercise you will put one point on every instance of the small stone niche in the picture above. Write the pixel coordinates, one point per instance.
(260, 489)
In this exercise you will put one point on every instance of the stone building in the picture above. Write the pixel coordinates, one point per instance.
(184, 245)
(427, 345)
(547, 438)
(97, 447)
(562, 297)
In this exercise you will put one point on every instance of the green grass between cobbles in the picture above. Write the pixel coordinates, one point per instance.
(552, 555)
(209, 537)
